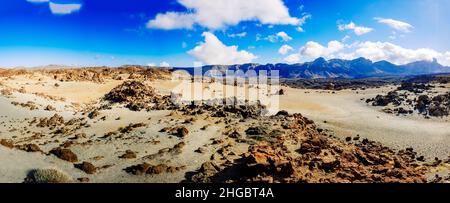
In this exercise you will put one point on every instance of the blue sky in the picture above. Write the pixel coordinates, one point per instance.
(181, 32)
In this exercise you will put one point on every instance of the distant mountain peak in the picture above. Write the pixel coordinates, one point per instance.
(362, 59)
(341, 68)
(320, 60)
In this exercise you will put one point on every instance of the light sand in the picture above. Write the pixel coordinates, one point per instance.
(344, 112)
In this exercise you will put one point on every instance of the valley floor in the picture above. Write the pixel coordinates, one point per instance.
(341, 113)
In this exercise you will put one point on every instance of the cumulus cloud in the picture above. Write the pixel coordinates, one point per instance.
(285, 49)
(221, 13)
(375, 51)
(213, 52)
(60, 8)
(395, 24)
(313, 50)
(358, 30)
(293, 58)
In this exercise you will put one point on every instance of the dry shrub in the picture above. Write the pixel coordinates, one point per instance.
(48, 175)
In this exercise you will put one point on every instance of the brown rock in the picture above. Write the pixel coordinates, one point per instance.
(64, 154)
(50, 108)
(128, 155)
(158, 169)
(7, 143)
(30, 148)
(200, 150)
(86, 167)
(138, 169)
(83, 180)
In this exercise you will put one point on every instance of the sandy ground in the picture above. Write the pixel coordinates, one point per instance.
(346, 115)
(342, 113)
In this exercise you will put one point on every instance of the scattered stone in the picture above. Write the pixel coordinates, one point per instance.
(50, 108)
(83, 180)
(7, 143)
(179, 131)
(86, 167)
(29, 148)
(93, 114)
(64, 154)
(146, 168)
(128, 155)
(201, 150)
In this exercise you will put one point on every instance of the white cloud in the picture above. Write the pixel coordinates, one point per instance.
(151, 65)
(213, 51)
(345, 38)
(38, 1)
(395, 24)
(164, 64)
(358, 30)
(302, 21)
(221, 13)
(285, 37)
(313, 50)
(293, 58)
(60, 8)
(63, 9)
(445, 59)
(271, 38)
(172, 20)
(276, 37)
(285, 49)
(238, 35)
(375, 51)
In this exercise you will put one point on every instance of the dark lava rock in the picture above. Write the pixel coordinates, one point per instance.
(390, 98)
(414, 87)
(282, 113)
(422, 103)
(259, 130)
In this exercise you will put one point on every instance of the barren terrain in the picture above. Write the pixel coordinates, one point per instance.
(105, 125)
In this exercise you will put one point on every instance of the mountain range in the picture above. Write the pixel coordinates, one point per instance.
(338, 68)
